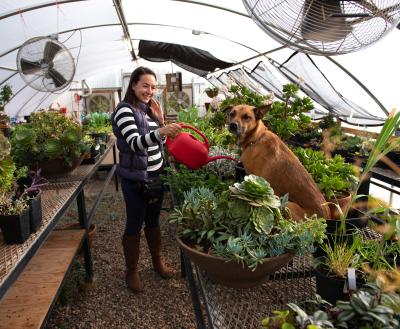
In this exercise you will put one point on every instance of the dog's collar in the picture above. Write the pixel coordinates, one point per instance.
(251, 143)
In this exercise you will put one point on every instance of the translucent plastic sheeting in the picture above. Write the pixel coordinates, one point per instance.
(241, 78)
(92, 50)
(222, 28)
(53, 19)
(215, 82)
(264, 76)
(215, 26)
(316, 86)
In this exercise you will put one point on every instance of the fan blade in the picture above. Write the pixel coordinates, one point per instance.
(57, 77)
(324, 21)
(50, 51)
(29, 67)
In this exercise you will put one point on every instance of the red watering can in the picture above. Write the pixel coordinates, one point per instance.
(190, 151)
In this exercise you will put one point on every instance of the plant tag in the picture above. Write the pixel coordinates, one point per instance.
(351, 278)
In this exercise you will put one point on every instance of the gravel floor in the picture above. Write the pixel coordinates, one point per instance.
(164, 304)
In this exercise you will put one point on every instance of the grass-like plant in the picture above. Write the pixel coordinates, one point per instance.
(384, 143)
(339, 256)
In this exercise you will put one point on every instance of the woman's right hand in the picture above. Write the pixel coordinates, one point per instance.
(170, 130)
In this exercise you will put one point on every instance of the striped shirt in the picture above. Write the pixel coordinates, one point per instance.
(126, 124)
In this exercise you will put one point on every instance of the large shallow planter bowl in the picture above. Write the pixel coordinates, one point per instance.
(55, 167)
(232, 274)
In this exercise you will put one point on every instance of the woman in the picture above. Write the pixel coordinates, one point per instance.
(138, 124)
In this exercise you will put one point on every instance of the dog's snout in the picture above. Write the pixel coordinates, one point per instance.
(233, 127)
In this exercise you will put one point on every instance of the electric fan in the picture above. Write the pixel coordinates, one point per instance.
(45, 64)
(325, 27)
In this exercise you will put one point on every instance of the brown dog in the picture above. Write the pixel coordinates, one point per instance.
(265, 154)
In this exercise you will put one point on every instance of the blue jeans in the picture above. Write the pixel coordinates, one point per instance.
(139, 210)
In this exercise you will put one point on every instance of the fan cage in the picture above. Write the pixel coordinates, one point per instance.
(61, 67)
(325, 27)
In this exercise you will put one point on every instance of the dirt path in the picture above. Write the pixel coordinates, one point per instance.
(164, 304)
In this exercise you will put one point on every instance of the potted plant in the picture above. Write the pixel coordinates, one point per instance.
(212, 91)
(34, 192)
(93, 149)
(240, 235)
(98, 125)
(5, 96)
(373, 306)
(335, 178)
(17, 183)
(240, 94)
(50, 139)
(14, 217)
(332, 269)
(287, 118)
(180, 179)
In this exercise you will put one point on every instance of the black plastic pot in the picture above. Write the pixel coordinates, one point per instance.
(335, 235)
(15, 228)
(35, 212)
(357, 218)
(393, 156)
(333, 288)
(239, 172)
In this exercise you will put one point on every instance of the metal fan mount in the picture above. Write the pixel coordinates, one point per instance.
(45, 64)
(325, 27)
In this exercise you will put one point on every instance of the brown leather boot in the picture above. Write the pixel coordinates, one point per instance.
(153, 237)
(131, 244)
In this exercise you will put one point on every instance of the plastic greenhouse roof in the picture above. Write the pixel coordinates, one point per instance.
(99, 34)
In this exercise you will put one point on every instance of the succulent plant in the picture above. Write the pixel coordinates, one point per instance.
(5, 147)
(368, 306)
(222, 167)
(9, 206)
(244, 223)
(49, 135)
(5, 96)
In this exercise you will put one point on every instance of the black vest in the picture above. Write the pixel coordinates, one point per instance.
(132, 165)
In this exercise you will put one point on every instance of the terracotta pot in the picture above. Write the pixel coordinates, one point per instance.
(54, 167)
(233, 274)
(76, 226)
(343, 201)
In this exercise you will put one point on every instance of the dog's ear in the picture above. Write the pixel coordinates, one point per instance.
(227, 109)
(261, 110)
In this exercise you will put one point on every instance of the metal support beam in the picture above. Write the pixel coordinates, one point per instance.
(124, 25)
(26, 9)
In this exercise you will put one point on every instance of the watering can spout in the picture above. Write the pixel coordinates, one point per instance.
(217, 157)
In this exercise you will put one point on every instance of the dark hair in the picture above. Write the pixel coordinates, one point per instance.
(130, 96)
